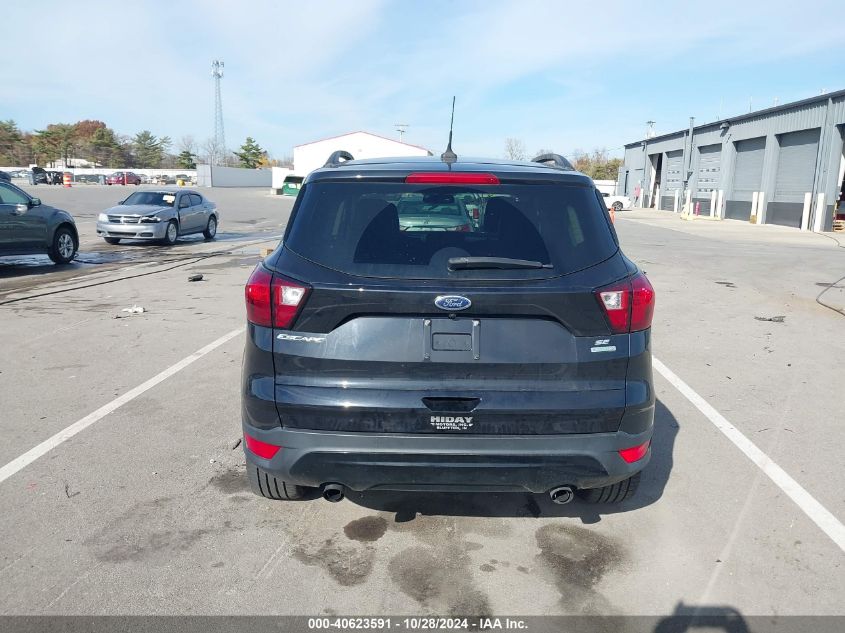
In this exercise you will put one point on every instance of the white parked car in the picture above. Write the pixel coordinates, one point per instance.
(617, 203)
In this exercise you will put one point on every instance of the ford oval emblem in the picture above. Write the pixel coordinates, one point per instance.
(452, 302)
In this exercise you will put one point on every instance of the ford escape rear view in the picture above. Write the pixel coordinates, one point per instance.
(448, 325)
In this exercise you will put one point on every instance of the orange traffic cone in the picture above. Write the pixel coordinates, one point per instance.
(66, 179)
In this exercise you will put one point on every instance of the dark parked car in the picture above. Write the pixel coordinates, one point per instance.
(511, 355)
(39, 176)
(28, 227)
(55, 177)
(123, 178)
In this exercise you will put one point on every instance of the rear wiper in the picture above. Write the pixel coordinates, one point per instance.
(469, 263)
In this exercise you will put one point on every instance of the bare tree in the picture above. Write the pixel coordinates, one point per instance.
(540, 152)
(212, 153)
(188, 144)
(514, 149)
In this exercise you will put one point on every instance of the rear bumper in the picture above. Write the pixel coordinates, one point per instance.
(366, 461)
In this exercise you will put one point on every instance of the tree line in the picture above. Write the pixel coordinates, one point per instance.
(99, 144)
(596, 164)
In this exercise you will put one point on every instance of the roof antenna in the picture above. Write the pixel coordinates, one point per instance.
(449, 156)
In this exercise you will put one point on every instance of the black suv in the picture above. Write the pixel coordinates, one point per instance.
(396, 341)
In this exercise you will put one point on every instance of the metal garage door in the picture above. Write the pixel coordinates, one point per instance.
(709, 162)
(796, 169)
(671, 179)
(707, 175)
(748, 174)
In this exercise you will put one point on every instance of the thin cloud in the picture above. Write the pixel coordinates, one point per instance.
(564, 75)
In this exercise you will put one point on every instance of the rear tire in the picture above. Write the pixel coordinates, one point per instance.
(614, 493)
(64, 246)
(112, 240)
(266, 485)
(617, 206)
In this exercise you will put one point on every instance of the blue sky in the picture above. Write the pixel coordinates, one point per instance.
(556, 75)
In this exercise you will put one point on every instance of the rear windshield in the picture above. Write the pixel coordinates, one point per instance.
(413, 231)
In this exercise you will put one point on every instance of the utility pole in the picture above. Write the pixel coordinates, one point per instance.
(401, 128)
(219, 134)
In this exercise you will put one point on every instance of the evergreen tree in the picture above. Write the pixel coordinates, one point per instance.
(251, 154)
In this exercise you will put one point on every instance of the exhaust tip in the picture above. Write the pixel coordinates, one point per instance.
(562, 494)
(334, 492)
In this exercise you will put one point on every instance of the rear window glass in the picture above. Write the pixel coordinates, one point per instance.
(413, 231)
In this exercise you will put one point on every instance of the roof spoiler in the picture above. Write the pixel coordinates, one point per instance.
(338, 158)
(555, 161)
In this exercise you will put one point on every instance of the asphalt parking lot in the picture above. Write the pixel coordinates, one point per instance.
(144, 508)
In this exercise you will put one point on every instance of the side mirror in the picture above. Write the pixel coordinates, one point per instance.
(35, 202)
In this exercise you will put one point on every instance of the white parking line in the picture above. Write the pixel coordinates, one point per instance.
(65, 434)
(817, 513)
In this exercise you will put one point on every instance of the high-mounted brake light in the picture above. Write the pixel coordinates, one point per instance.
(272, 301)
(628, 304)
(451, 178)
(262, 449)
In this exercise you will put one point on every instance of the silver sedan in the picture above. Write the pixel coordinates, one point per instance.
(159, 216)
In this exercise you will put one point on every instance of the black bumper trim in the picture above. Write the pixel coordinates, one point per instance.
(364, 461)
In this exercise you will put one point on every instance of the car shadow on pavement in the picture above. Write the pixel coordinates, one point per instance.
(690, 617)
(407, 505)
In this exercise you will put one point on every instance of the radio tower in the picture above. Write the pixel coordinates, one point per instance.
(219, 134)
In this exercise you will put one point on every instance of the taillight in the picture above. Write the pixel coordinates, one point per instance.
(635, 453)
(257, 294)
(272, 301)
(463, 228)
(452, 178)
(287, 298)
(262, 449)
(628, 304)
(642, 303)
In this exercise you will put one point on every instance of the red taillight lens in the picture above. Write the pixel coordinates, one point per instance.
(635, 453)
(451, 178)
(629, 304)
(272, 301)
(257, 294)
(642, 303)
(463, 228)
(262, 449)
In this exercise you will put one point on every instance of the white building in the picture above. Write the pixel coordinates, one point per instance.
(311, 156)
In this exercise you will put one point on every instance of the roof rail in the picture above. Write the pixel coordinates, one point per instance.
(338, 158)
(555, 161)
